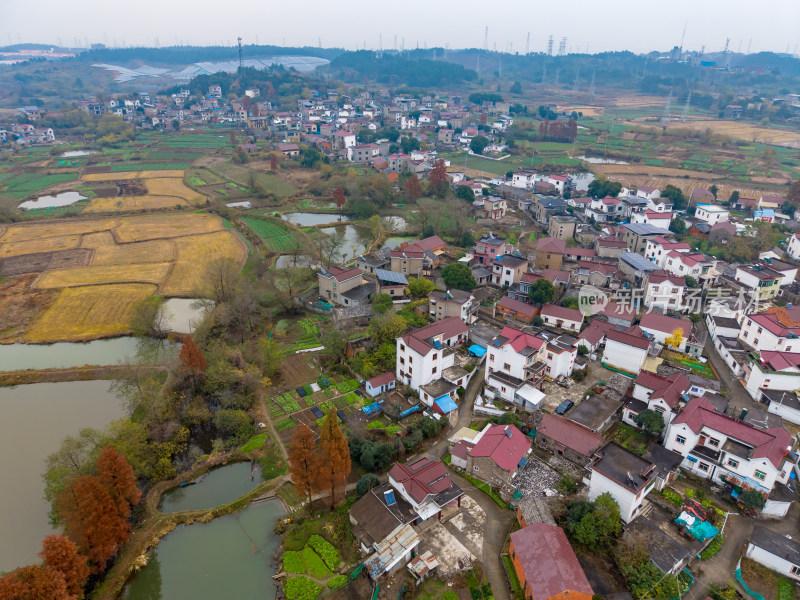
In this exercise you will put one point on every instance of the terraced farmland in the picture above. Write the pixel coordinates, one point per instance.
(275, 235)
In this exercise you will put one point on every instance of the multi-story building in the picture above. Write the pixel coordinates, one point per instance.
(603, 210)
(424, 354)
(772, 331)
(515, 367)
(561, 227)
(769, 371)
(562, 317)
(550, 253)
(711, 213)
(728, 451)
(426, 486)
(344, 286)
(625, 476)
(452, 303)
(697, 265)
(636, 235)
(494, 455)
(664, 291)
(763, 282)
(652, 217)
(662, 327)
(793, 247)
(626, 350)
(658, 248)
(508, 269)
(660, 394)
(490, 246)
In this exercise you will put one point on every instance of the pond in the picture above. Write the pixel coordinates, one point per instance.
(182, 315)
(36, 418)
(393, 242)
(394, 223)
(215, 488)
(242, 204)
(305, 219)
(285, 261)
(64, 355)
(595, 160)
(62, 199)
(354, 240)
(582, 181)
(229, 557)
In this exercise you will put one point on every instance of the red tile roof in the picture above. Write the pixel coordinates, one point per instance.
(340, 274)
(529, 277)
(583, 252)
(576, 437)
(553, 245)
(599, 267)
(611, 243)
(649, 380)
(548, 562)
(504, 444)
(553, 275)
(628, 339)
(779, 361)
(517, 306)
(670, 391)
(619, 311)
(431, 243)
(595, 332)
(561, 312)
(770, 443)
(520, 340)
(661, 276)
(448, 328)
(770, 322)
(422, 478)
(665, 324)
(381, 379)
(460, 449)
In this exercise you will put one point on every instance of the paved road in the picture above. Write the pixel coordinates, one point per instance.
(738, 398)
(442, 447)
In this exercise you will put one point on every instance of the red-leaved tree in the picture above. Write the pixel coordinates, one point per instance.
(61, 554)
(273, 162)
(303, 461)
(339, 199)
(335, 465)
(438, 178)
(34, 582)
(117, 475)
(192, 358)
(413, 188)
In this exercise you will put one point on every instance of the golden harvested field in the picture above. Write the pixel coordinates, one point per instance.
(150, 227)
(36, 231)
(132, 175)
(59, 242)
(686, 185)
(162, 186)
(137, 253)
(154, 273)
(194, 251)
(131, 203)
(97, 240)
(735, 129)
(86, 313)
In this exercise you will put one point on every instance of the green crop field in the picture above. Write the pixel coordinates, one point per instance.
(148, 167)
(28, 183)
(275, 236)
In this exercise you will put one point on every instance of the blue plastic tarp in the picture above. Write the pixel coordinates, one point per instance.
(371, 408)
(446, 404)
(477, 350)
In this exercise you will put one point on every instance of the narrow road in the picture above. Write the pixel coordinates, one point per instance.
(442, 447)
(738, 398)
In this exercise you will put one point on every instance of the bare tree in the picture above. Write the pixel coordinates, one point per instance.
(221, 279)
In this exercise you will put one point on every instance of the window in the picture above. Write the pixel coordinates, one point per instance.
(713, 442)
(760, 329)
(680, 439)
(703, 467)
(434, 355)
(733, 463)
(402, 348)
(491, 358)
(502, 389)
(402, 360)
(795, 570)
(410, 370)
(760, 475)
(506, 366)
(659, 410)
(755, 342)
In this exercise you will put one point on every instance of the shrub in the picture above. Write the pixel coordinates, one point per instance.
(338, 582)
(324, 548)
(785, 589)
(301, 588)
(293, 562)
(366, 483)
(233, 425)
(712, 549)
(672, 497)
(314, 564)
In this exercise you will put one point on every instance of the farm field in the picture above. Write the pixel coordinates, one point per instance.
(276, 236)
(132, 203)
(132, 175)
(162, 186)
(100, 267)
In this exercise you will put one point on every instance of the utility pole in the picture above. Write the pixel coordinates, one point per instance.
(550, 45)
(528, 44)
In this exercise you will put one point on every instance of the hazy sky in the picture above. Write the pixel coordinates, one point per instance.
(636, 25)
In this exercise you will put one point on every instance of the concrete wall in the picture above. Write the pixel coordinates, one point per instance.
(769, 560)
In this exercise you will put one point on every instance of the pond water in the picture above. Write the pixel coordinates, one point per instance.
(77, 153)
(242, 204)
(62, 199)
(394, 223)
(393, 242)
(285, 261)
(305, 219)
(64, 355)
(182, 315)
(355, 240)
(217, 487)
(582, 181)
(229, 557)
(35, 418)
(596, 160)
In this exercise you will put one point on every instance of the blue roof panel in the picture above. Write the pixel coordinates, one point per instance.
(446, 404)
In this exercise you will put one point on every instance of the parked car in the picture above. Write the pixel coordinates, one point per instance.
(565, 381)
(564, 407)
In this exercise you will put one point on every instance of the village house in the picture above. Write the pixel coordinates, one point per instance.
(604, 210)
(619, 314)
(550, 253)
(664, 291)
(562, 317)
(697, 265)
(648, 193)
(342, 140)
(490, 246)
(539, 549)
(508, 269)
(524, 179)
(391, 283)
(561, 228)
(728, 451)
(626, 350)
(659, 247)
(560, 355)
(574, 442)
(777, 552)
(511, 308)
(543, 208)
(661, 327)
(711, 213)
(723, 231)
(787, 270)
(363, 153)
(426, 486)
(495, 454)
(346, 287)
(770, 370)
(368, 263)
(636, 235)
(627, 477)
(793, 247)
(490, 207)
(594, 335)
(452, 303)
(651, 217)
(289, 150)
(775, 330)
(515, 366)
(380, 384)
(663, 395)
(763, 282)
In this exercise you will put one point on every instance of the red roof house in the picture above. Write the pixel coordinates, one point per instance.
(573, 441)
(498, 453)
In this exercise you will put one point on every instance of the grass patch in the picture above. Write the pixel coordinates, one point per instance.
(276, 236)
(516, 588)
(486, 489)
(326, 551)
(301, 588)
(293, 562)
(314, 564)
(285, 424)
(631, 439)
(272, 463)
(712, 549)
(289, 495)
(338, 582)
(255, 442)
(376, 424)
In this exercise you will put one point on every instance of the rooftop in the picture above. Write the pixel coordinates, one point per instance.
(665, 324)
(594, 411)
(775, 543)
(623, 467)
(638, 262)
(645, 229)
(570, 435)
(504, 444)
(424, 478)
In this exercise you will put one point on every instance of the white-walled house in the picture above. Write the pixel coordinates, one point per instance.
(793, 247)
(625, 350)
(726, 450)
(380, 384)
(763, 331)
(663, 395)
(515, 366)
(560, 353)
(426, 486)
(627, 477)
(771, 371)
(693, 264)
(423, 355)
(664, 291)
(652, 217)
(659, 247)
(711, 213)
(562, 317)
(661, 327)
(648, 193)
(777, 552)
(524, 179)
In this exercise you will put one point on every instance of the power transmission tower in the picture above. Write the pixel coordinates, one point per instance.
(686, 107)
(562, 47)
(395, 42)
(241, 56)
(319, 42)
(666, 116)
(528, 44)
(550, 46)
(577, 80)
(486, 39)
(591, 85)
(555, 83)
